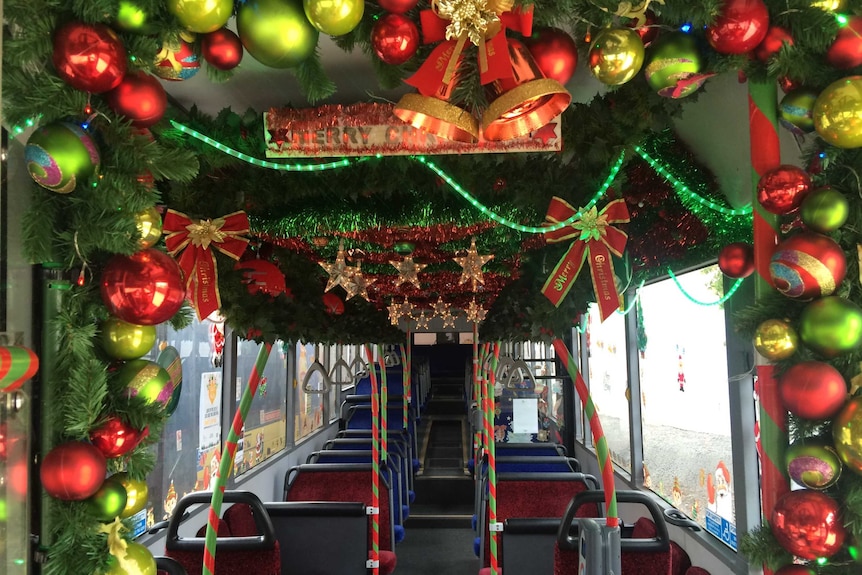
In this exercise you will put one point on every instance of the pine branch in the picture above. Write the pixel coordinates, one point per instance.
(313, 80)
(761, 547)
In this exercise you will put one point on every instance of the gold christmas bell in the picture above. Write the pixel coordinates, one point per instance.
(524, 102)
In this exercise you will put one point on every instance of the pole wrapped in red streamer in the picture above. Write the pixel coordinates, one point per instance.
(484, 25)
(596, 239)
(189, 242)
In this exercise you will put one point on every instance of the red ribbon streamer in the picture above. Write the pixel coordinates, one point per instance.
(189, 242)
(610, 241)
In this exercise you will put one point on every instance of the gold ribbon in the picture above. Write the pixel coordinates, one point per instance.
(116, 544)
(635, 12)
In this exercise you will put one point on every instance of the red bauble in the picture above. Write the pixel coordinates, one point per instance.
(555, 53)
(262, 276)
(333, 304)
(145, 288)
(846, 50)
(807, 265)
(808, 524)
(140, 98)
(782, 189)
(813, 390)
(775, 38)
(115, 437)
(89, 57)
(740, 27)
(73, 471)
(395, 39)
(222, 49)
(788, 84)
(736, 260)
(648, 31)
(398, 6)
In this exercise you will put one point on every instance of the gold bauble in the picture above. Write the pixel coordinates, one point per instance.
(775, 339)
(829, 5)
(838, 113)
(201, 16)
(847, 434)
(616, 55)
(334, 17)
(136, 494)
(149, 223)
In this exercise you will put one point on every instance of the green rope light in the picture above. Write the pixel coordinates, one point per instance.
(342, 163)
(692, 299)
(514, 225)
(682, 189)
(634, 301)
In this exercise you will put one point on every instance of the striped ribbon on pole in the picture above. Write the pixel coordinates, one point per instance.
(475, 383)
(492, 463)
(480, 395)
(601, 442)
(375, 464)
(227, 461)
(765, 156)
(405, 378)
(384, 402)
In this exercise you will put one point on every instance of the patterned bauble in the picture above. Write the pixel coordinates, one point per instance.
(796, 111)
(736, 260)
(177, 62)
(398, 6)
(73, 471)
(673, 66)
(109, 501)
(149, 224)
(115, 437)
(825, 210)
(554, 52)
(334, 17)
(808, 524)
(60, 155)
(136, 494)
(202, 16)
(136, 560)
(222, 49)
(333, 304)
(775, 339)
(169, 359)
(140, 98)
(838, 113)
(89, 57)
(123, 340)
(146, 379)
(776, 37)
(782, 189)
(395, 39)
(276, 32)
(831, 326)
(846, 50)
(812, 390)
(145, 288)
(132, 18)
(847, 434)
(814, 464)
(807, 265)
(741, 25)
(616, 55)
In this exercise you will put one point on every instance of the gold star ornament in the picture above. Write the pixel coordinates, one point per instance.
(448, 319)
(394, 312)
(408, 271)
(422, 320)
(475, 312)
(339, 272)
(357, 283)
(471, 265)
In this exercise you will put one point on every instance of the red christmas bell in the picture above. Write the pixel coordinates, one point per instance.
(740, 27)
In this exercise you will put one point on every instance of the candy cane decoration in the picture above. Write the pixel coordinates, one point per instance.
(375, 464)
(492, 462)
(384, 402)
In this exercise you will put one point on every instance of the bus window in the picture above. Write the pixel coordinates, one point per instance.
(308, 416)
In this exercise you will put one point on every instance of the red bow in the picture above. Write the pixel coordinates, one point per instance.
(594, 237)
(191, 241)
(494, 62)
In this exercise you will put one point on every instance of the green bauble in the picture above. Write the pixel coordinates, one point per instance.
(124, 340)
(137, 560)
(838, 113)
(795, 111)
(131, 18)
(616, 55)
(825, 210)
(276, 32)
(813, 464)
(831, 326)
(334, 17)
(60, 155)
(147, 380)
(673, 66)
(201, 16)
(109, 501)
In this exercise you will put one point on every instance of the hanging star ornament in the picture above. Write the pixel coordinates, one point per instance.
(422, 320)
(339, 272)
(475, 312)
(440, 307)
(408, 271)
(357, 284)
(472, 265)
(394, 312)
(407, 309)
(448, 320)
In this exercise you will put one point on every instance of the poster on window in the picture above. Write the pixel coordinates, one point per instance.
(210, 410)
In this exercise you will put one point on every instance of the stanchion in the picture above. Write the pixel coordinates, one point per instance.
(493, 527)
(375, 465)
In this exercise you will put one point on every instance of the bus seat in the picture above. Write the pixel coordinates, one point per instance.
(258, 553)
(503, 449)
(305, 531)
(649, 550)
(168, 566)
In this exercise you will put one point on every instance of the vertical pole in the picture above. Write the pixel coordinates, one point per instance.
(384, 402)
(766, 155)
(375, 464)
(405, 391)
(475, 397)
(492, 463)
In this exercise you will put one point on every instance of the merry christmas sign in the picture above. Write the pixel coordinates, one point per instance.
(370, 129)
